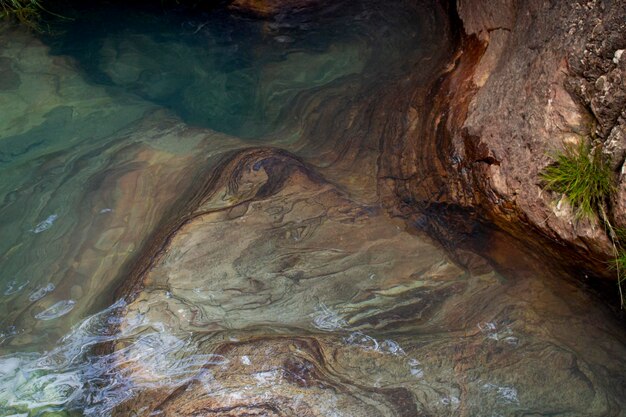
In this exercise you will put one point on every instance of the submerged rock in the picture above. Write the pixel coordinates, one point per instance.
(206, 89)
(318, 305)
(9, 79)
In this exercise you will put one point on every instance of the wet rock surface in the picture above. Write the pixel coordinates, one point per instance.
(302, 302)
(528, 78)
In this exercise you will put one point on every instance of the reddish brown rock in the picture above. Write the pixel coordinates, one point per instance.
(270, 7)
(527, 78)
(276, 294)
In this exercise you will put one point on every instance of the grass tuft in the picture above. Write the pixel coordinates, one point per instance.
(620, 235)
(582, 176)
(585, 178)
(26, 12)
(620, 263)
(620, 267)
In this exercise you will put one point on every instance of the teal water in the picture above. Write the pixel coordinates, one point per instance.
(287, 290)
(237, 74)
(73, 120)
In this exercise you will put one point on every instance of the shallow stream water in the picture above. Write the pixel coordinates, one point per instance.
(191, 226)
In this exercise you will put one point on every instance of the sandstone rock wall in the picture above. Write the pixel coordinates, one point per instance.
(528, 77)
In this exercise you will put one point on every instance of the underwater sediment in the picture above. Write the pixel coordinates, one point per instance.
(225, 215)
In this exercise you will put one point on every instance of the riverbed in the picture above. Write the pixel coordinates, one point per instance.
(192, 225)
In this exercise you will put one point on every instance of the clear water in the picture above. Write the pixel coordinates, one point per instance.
(236, 74)
(287, 290)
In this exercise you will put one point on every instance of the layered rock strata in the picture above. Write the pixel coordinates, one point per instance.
(528, 78)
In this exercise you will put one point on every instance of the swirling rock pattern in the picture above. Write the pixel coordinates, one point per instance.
(317, 305)
(262, 274)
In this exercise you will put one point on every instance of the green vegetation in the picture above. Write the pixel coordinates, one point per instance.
(584, 177)
(620, 235)
(27, 12)
(620, 265)
(619, 244)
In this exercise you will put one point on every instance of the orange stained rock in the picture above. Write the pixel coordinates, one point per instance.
(270, 7)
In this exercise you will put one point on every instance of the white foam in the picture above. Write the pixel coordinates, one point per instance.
(326, 319)
(57, 310)
(41, 292)
(13, 287)
(46, 224)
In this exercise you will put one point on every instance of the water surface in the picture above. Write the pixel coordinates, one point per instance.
(191, 225)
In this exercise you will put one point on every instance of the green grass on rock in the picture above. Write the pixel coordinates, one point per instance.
(27, 12)
(582, 176)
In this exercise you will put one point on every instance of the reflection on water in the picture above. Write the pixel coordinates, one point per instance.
(216, 175)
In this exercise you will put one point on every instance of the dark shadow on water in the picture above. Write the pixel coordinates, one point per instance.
(230, 71)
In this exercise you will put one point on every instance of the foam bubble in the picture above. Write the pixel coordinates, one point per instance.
(57, 310)
(46, 224)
